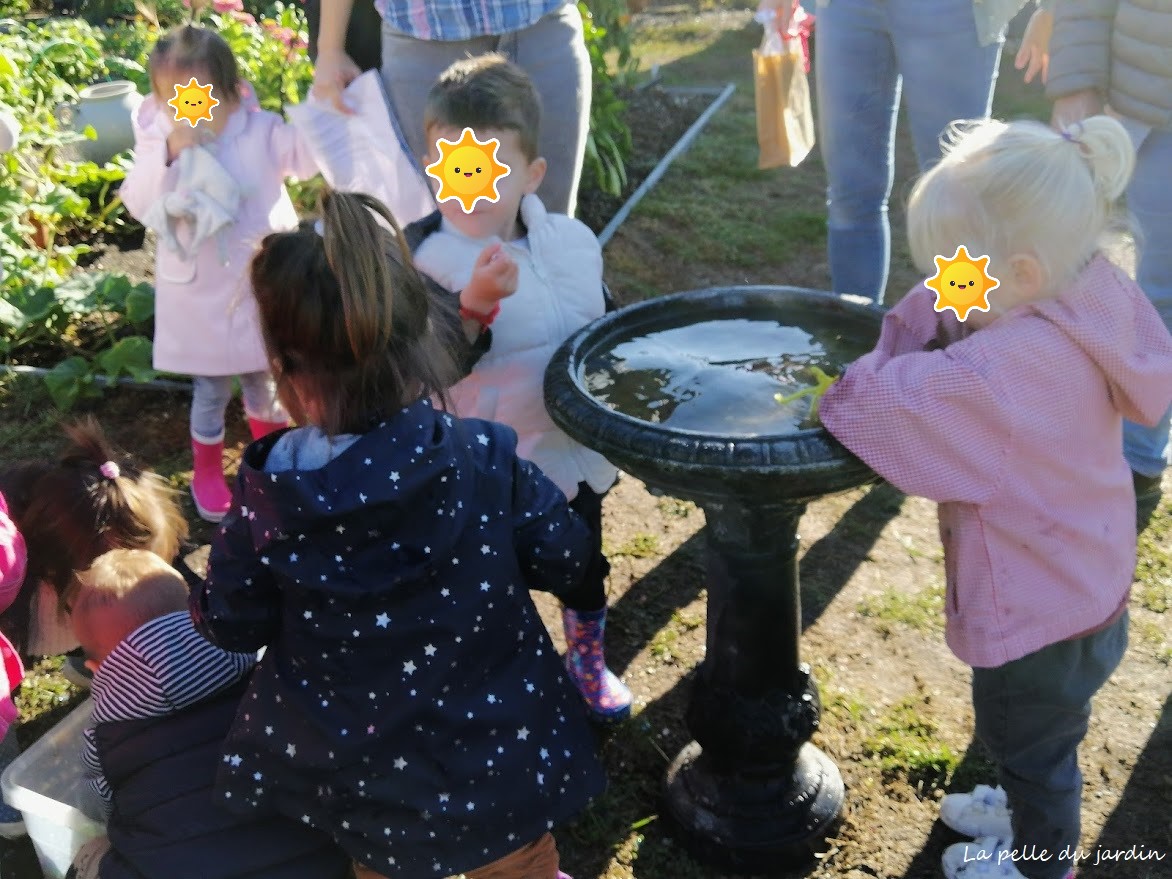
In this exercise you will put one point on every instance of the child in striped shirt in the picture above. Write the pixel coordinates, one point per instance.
(164, 699)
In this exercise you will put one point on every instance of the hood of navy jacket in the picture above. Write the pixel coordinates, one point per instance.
(344, 508)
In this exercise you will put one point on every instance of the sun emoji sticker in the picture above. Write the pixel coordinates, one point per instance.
(467, 170)
(193, 102)
(962, 283)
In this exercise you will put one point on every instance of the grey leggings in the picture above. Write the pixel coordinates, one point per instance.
(1031, 715)
(210, 396)
(552, 51)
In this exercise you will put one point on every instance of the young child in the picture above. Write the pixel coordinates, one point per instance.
(559, 289)
(211, 192)
(164, 699)
(1012, 421)
(92, 499)
(409, 702)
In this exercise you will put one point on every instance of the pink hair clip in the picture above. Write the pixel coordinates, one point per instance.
(110, 470)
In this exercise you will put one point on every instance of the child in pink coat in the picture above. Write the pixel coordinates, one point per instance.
(1012, 421)
(211, 191)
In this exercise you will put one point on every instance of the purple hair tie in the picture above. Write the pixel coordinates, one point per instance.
(110, 470)
(1069, 135)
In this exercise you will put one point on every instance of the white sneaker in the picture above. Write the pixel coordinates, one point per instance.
(984, 812)
(979, 860)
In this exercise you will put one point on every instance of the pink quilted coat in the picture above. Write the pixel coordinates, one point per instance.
(13, 562)
(1016, 431)
(205, 316)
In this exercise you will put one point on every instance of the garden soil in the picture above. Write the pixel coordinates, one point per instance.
(897, 718)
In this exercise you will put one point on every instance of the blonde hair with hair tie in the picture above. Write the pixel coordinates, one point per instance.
(1010, 188)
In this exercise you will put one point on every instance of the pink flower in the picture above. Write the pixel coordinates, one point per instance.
(244, 18)
(222, 6)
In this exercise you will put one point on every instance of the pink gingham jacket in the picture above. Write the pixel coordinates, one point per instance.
(1016, 431)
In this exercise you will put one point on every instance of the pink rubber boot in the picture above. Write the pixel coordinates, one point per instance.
(264, 428)
(208, 488)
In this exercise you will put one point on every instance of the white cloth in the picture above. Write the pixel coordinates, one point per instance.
(364, 152)
(205, 200)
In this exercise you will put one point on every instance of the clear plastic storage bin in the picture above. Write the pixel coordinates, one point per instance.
(49, 785)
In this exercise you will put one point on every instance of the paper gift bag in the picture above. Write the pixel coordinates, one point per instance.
(785, 119)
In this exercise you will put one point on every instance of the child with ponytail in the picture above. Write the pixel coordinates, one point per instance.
(409, 702)
(92, 499)
(211, 188)
(1012, 421)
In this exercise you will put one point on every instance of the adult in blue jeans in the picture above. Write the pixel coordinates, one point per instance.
(420, 38)
(1118, 54)
(942, 55)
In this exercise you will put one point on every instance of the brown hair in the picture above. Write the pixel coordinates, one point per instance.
(192, 50)
(487, 91)
(69, 513)
(126, 588)
(348, 322)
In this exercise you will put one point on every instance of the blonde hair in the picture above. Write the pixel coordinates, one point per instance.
(1009, 188)
(127, 588)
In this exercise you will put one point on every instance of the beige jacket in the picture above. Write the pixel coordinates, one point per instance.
(1122, 48)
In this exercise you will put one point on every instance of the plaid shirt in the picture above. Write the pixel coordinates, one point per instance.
(462, 19)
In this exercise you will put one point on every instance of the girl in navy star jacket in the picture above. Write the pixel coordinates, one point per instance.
(410, 702)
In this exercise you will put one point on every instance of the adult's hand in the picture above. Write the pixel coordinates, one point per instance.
(333, 72)
(1076, 107)
(783, 11)
(1034, 54)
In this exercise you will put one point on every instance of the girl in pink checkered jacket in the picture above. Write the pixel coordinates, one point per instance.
(1012, 421)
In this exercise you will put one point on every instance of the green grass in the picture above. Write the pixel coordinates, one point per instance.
(922, 610)
(641, 546)
(905, 744)
(1153, 574)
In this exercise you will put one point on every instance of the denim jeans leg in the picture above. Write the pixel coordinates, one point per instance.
(947, 74)
(1031, 715)
(209, 398)
(857, 87)
(1149, 197)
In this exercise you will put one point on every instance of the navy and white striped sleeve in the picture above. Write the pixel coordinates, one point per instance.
(89, 759)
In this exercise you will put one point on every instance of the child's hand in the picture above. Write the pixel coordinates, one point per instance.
(183, 136)
(494, 276)
(1034, 54)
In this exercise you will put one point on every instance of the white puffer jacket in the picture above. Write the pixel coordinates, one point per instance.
(559, 290)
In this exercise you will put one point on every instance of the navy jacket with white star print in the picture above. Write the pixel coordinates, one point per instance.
(410, 701)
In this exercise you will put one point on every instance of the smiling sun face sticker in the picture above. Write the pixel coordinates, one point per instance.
(467, 170)
(193, 102)
(962, 283)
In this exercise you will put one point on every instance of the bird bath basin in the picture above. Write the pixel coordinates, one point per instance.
(679, 392)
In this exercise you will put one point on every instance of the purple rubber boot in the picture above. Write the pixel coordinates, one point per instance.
(606, 696)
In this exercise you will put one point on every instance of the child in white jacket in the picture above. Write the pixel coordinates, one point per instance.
(558, 264)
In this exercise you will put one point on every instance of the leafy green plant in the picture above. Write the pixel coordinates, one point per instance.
(270, 52)
(608, 144)
(70, 318)
(95, 326)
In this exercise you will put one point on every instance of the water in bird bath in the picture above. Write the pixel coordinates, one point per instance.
(720, 376)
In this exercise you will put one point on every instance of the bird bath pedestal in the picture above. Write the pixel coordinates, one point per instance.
(677, 391)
